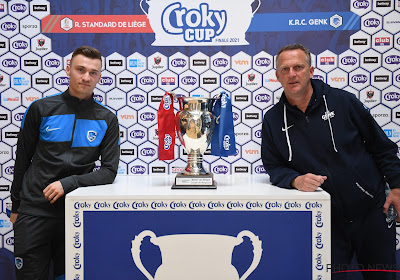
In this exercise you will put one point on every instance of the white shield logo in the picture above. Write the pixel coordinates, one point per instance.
(91, 135)
(19, 262)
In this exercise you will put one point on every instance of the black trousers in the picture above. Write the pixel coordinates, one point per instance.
(372, 240)
(38, 241)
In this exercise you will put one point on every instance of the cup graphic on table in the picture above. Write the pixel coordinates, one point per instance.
(196, 256)
(199, 22)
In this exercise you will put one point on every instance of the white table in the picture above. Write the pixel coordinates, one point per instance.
(189, 228)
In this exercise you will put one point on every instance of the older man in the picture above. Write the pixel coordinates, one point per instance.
(319, 136)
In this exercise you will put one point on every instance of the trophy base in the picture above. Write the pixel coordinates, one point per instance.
(205, 181)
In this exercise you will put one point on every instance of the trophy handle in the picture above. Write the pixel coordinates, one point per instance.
(257, 250)
(141, 7)
(136, 251)
(256, 9)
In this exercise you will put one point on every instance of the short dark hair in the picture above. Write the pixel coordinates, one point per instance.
(87, 51)
(296, 47)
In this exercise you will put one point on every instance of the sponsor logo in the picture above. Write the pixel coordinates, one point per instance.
(360, 42)
(189, 80)
(40, 8)
(231, 80)
(126, 81)
(381, 78)
(147, 116)
(18, 117)
(98, 98)
(115, 62)
(318, 77)
(371, 22)
(62, 81)
(220, 169)
(10, 62)
(167, 141)
(359, 79)
(137, 134)
(18, 81)
(257, 133)
(370, 60)
(397, 78)
(137, 98)
(8, 26)
(209, 81)
(392, 59)
(383, 3)
(31, 63)
(178, 62)
(147, 152)
(327, 60)
(241, 169)
(9, 170)
(241, 98)
(147, 80)
(263, 97)
(262, 61)
(199, 62)
(348, 60)
(260, 169)
(155, 169)
(235, 116)
(18, 8)
(136, 63)
(251, 116)
(20, 45)
(200, 25)
(4, 188)
(168, 81)
(370, 94)
(220, 62)
(157, 60)
(106, 81)
(52, 62)
(382, 41)
(392, 96)
(226, 143)
(41, 42)
(156, 98)
(138, 169)
(2, 45)
(11, 134)
(127, 152)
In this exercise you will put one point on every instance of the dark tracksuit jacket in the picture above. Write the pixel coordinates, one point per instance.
(336, 137)
(61, 137)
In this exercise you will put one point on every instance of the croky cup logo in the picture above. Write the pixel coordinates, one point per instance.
(199, 22)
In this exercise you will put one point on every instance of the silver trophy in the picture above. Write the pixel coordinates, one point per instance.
(195, 124)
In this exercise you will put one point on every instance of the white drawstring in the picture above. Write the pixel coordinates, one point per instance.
(330, 125)
(287, 133)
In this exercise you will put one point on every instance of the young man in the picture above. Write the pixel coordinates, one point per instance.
(318, 136)
(61, 137)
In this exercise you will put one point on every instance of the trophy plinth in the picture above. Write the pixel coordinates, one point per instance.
(195, 124)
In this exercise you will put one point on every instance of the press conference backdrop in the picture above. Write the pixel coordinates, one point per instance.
(194, 48)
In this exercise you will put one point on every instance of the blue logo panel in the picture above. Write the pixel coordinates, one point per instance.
(57, 128)
(89, 133)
